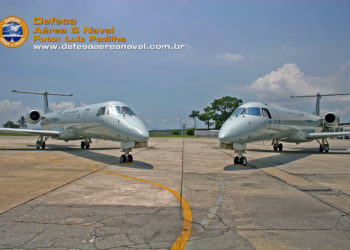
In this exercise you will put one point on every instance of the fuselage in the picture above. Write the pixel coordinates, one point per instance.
(257, 121)
(109, 120)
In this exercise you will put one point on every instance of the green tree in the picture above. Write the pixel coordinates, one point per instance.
(207, 117)
(22, 122)
(222, 109)
(10, 124)
(194, 114)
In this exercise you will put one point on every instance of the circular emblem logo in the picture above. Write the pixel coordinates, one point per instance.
(13, 32)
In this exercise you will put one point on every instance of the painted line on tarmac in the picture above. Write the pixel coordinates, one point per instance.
(187, 222)
(39, 156)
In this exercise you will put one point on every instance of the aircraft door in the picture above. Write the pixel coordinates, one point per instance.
(275, 116)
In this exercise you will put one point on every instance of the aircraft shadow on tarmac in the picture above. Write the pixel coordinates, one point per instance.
(88, 154)
(280, 158)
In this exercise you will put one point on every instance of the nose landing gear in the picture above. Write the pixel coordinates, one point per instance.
(240, 150)
(126, 157)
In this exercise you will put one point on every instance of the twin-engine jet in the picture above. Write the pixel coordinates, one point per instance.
(112, 120)
(256, 121)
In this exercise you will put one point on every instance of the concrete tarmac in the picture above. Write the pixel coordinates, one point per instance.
(65, 197)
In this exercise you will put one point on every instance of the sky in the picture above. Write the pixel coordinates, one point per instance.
(254, 50)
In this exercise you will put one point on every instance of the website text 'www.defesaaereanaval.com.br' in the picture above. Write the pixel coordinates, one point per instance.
(75, 46)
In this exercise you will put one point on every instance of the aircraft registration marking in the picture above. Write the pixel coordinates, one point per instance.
(187, 222)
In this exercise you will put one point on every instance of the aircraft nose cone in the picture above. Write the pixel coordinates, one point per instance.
(140, 132)
(224, 134)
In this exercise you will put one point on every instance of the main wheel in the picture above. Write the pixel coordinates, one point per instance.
(275, 147)
(82, 144)
(321, 148)
(37, 145)
(122, 159)
(236, 160)
(87, 145)
(280, 147)
(326, 148)
(43, 145)
(244, 161)
(130, 158)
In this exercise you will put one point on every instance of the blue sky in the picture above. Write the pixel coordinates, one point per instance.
(255, 50)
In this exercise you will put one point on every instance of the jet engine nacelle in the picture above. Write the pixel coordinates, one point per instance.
(330, 120)
(33, 117)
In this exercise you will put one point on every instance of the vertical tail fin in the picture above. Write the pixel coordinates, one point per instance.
(45, 94)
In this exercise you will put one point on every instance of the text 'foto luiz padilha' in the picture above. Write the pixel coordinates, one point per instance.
(47, 32)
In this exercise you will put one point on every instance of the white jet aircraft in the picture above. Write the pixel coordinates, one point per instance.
(256, 121)
(109, 120)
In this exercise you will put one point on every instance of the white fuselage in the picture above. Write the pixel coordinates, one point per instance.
(110, 120)
(268, 122)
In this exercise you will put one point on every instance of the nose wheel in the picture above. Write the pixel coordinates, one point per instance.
(126, 157)
(277, 146)
(85, 144)
(240, 159)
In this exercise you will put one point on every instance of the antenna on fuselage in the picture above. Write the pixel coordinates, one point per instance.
(45, 94)
(318, 100)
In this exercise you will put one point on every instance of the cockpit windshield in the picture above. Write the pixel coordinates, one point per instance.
(119, 110)
(238, 111)
(253, 111)
(247, 111)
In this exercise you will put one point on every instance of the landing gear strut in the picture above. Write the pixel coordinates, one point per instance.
(277, 146)
(85, 143)
(40, 142)
(324, 145)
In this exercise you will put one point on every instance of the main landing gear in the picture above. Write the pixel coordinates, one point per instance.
(324, 145)
(40, 142)
(277, 146)
(126, 157)
(85, 143)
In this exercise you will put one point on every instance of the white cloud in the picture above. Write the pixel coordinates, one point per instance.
(61, 106)
(12, 111)
(230, 57)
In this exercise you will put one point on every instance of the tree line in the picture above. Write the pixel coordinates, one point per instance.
(218, 112)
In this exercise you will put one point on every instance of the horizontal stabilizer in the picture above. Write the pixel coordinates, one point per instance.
(29, 131)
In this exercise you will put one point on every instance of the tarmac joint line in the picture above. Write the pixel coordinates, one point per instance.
(181, 241)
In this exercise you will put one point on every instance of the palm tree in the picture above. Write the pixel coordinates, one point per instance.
(194, 114)
(22, 122)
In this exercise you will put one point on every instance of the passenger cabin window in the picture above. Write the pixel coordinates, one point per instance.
(253, 111)
(266, 113)
(101, 111)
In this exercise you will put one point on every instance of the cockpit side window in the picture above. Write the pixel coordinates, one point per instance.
(111, 110)
(127, 110)
(266, 113)
(101, 111)
(253, 111)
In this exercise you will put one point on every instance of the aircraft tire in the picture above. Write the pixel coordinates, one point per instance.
(244, 161)
(130, 158)
(275, 147)
(280, 147)
(37, 145)
(122, 159)
(43, 145)
(87, 146)
(326, 148)
(236, 160)
(82, 144)
(321, 149)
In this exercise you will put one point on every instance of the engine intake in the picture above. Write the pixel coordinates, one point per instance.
(33, 117)
(331, 120)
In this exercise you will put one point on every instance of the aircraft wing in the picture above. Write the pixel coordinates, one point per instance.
(326, 134)
(30, 131)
